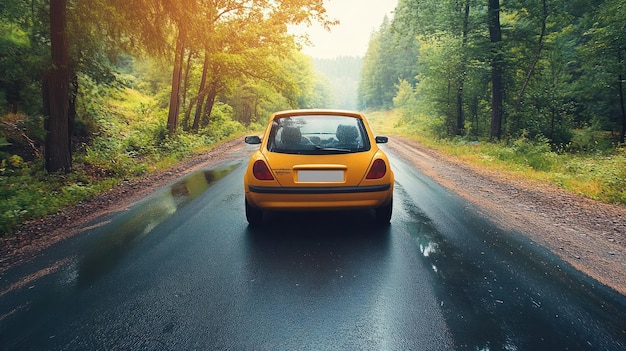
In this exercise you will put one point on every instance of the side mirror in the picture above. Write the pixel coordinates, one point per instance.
(381, 139)
(253, 139)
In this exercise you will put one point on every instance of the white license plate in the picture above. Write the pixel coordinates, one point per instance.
(326, 176)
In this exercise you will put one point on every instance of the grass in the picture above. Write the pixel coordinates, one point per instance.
(599, 176)
(28, 195)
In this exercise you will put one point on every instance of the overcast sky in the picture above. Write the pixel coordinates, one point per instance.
(358, 19)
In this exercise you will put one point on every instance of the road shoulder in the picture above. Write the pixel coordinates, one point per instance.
(588, 234)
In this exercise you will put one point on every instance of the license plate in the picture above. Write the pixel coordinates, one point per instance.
(315, 176)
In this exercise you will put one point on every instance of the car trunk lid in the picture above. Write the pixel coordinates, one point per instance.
(337, 170)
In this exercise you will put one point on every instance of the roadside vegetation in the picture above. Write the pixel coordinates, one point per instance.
(124, 137)
(598, 173)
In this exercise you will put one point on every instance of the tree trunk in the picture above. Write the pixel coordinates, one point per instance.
(172, 117)
(201, 93)
(497, 69)
(210, 102)
(186, 77)
(620, 82)
(520, 96)
(622, 137)
(460, 114)
(56, 92)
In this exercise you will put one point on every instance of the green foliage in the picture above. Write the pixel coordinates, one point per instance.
(591, 141)
(599, 175)
(537, 155)
(438, 81)
(20, 70)
(20, 135)
(222, 125)
(124, 137)
(564, 66)
(28, 192)
(293, 84)
(152, 77)
(405, 101)
(392, 56)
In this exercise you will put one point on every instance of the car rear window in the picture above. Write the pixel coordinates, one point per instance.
(313, 134)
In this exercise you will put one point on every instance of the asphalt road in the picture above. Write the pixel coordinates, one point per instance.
(183, 271)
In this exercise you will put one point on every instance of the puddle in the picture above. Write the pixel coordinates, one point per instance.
(126, 229)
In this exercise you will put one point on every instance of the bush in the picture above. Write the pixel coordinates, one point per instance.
(222, 125)
(32, 193)
(525, 153)
(535, 154)
(591, 140)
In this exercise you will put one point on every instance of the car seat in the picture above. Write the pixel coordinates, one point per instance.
(290, 136)
(347, 135)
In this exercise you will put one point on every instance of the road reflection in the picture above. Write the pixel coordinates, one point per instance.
(499, 293)
(309, 246)
(117, 237)
(323, 271)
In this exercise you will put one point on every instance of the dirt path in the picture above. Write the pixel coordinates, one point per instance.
(589, 235)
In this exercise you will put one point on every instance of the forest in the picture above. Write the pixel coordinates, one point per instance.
(551, 71)
(97, 92)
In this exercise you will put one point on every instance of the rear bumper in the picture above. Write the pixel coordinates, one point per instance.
(319, 198)
(319, 190)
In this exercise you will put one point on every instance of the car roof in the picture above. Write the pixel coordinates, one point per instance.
(317, 112)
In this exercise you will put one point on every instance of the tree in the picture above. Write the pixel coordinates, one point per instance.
(179, 52)
(237, 39)
(16, 57)
(391, 56)
(604, 57)
(460, 114)
(370, 90)
(540, 45)
(497, 68)
(450, 23)
(145, 26)
(405, 100)
(56, 93)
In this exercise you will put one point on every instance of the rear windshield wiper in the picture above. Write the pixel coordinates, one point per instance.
(332, 149)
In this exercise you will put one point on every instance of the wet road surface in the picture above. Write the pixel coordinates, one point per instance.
(182, 270)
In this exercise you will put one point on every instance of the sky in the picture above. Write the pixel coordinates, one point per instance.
(358, 19)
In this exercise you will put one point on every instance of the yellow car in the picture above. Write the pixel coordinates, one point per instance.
(318, 160)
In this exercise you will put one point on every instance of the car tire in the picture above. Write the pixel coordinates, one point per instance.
(253, 215)
(383, 213)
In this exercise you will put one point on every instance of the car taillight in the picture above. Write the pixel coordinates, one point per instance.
(261, 171)
(378, 170)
